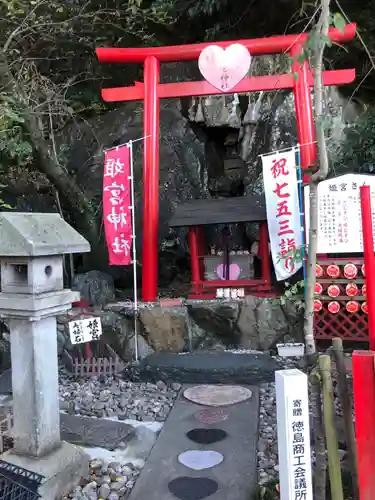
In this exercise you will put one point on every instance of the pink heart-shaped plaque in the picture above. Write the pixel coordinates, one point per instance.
(234, 271)
(224, 69)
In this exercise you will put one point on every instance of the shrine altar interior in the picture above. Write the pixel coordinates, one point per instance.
(227, 270)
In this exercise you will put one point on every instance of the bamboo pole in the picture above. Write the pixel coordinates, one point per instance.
(346, 404)
(334, 466)
(320, 472)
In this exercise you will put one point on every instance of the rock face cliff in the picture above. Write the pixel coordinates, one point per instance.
(209, 146)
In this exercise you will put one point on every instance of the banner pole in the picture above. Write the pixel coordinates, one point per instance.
(302, 215)
(130, 145)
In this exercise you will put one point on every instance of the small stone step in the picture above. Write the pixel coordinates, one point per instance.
(205, 368)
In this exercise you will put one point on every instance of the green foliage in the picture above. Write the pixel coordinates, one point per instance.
(357, 152)
(316, 41)
(14, 148)
(338, 21)
(295, 292)
(267, 491)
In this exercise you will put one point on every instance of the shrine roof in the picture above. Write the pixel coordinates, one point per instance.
(220, 211)
(24, 234)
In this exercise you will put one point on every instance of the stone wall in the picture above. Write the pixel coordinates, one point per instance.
(183, 326)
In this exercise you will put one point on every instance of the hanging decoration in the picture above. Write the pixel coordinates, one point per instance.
(351, 290)
(224, 69)
(319, 272)
(352, 306)
(333, 291)
(283, 212)
(318, 306)
(117, 205)
(234, 118)
(333, 307)
(350, 271)
(333, 271)
(119, 214)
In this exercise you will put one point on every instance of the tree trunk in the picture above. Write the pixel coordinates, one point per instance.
(311, 270)
(75, 200)
(322, 32)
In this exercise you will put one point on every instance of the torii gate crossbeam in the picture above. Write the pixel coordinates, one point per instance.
(151, 91)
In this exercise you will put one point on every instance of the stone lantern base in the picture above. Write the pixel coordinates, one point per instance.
(62, 469)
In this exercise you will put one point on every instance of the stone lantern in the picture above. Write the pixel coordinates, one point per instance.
(32, 294)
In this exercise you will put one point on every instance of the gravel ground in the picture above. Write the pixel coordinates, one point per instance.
(113, 474)
(107, 481)
(109, 397)
(113, 477)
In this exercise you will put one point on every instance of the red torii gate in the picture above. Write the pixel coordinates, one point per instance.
(151, 91)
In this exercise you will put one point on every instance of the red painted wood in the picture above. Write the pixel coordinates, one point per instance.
(304, 110)
(194, 255)
(254, 84)
(83, 304)
(232, 283)
(150, 180)
(264, 252)
(364, 408)
(368, 251)
(202, 250)
(257, 46)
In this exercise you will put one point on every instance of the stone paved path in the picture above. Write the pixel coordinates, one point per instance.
(234, 478)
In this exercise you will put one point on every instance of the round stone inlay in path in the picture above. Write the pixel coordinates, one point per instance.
(200, 460)
(217, 395)
(211, 415)
(206, 436)
(193, 488)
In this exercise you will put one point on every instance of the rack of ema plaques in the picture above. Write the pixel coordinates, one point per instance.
(340, 307)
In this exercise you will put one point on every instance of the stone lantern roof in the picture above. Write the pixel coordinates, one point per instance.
(24, 234)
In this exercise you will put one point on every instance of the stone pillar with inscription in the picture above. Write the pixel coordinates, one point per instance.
(293, 435)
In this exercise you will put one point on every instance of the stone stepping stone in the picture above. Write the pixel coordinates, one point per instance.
(211, 416)
(200, 460)
(217, 395)
(193, 488)
(206, 436)
(95, 432)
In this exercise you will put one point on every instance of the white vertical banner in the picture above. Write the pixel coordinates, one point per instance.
(293, 435)
(283, 212)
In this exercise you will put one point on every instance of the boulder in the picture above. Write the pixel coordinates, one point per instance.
(263, 322)
(166, 328)
(218, 318)
(95, 287)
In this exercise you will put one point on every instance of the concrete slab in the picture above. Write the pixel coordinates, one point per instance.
(91, 432)
(61, 469)
(236, 475)
(6, 382)
(97, 432)
(205, 368)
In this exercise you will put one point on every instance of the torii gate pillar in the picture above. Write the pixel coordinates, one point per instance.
(151, 91)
